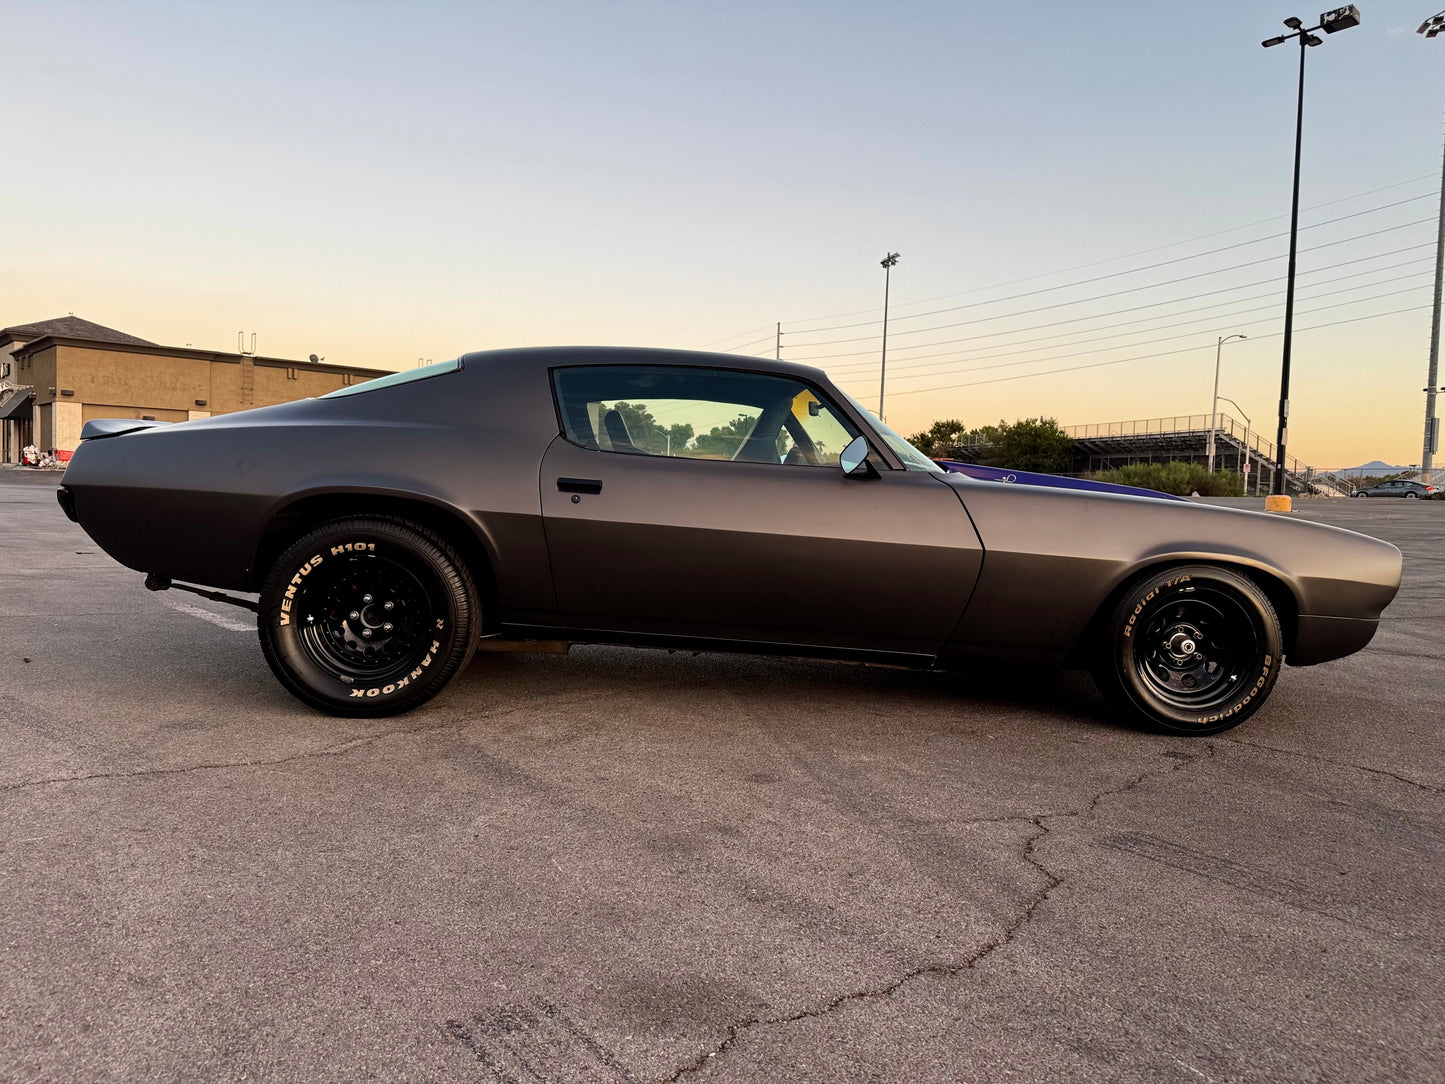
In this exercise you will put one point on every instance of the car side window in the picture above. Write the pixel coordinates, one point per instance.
(700, 413)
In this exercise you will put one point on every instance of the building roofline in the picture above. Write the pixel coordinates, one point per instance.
(47, 341)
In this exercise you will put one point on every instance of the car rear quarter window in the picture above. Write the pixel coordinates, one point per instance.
(700, 413)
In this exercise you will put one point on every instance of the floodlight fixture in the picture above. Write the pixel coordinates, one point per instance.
(1273, 42)
(891, 260)
(1433, 25)
(1293, 23)
(1310, 39)
(1340, 19)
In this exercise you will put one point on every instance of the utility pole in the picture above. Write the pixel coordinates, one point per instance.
(1331, 21)
(1427, 453)
(888, 262)
(778, 344)
(1430, 27)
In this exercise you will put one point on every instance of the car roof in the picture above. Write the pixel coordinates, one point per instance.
(551, 357)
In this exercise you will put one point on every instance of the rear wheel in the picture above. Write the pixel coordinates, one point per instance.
(1191, 650)
(368, 616)
(1412, 496)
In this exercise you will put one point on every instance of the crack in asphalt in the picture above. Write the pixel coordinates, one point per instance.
(327, 751)
(1024, 916)
(1433, 788)
(340, 749)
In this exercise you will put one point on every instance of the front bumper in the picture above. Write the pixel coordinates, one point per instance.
(1320, 639)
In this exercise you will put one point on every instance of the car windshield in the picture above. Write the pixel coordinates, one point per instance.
(912, 458)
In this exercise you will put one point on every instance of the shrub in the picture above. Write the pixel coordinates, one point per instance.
(1178, 478)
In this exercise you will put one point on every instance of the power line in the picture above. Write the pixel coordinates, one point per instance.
(1128, 271)
(739, 335)
(1133, 308)
(744, 346)
(1120, 293)
(1115, 259)
(1150, 342)
(1160, 354)
(952, 356)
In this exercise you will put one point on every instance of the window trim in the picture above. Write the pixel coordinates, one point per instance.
(405, 376)
(824, 393)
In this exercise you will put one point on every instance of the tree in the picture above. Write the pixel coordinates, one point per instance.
(723, 441)
(1034, 444)
(679, 433)
(646, 434)
(942, 440)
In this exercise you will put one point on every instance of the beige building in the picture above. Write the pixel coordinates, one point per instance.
(58, 374)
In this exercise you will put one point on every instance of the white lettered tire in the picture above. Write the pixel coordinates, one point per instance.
(368, 616)
(1192, 649)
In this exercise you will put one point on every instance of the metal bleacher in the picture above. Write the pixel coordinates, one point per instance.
(1186, 437)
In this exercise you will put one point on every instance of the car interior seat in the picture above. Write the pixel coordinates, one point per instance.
(617, 433)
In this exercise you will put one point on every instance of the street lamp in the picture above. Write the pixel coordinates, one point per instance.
(1214, 407)
(1330, 22)
(1239, 408)
(1430, 27)
(887, 265)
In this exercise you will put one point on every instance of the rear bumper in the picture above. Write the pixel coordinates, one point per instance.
(1320, 639)
(67, 503)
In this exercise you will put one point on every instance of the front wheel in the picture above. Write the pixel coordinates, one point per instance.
(1361, 494)
(367, 616)
(1191, 650)
(1412, 496)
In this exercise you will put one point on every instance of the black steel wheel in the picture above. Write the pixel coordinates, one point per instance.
(368, 616)
(1191, 650)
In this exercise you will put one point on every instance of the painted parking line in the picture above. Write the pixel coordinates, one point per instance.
(223, 620)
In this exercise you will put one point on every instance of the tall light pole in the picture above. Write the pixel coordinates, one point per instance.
(1330, 22)
(888, 262)
(1430, 27)
(1214, 407)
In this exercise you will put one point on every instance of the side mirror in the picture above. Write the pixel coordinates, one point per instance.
(854, 459)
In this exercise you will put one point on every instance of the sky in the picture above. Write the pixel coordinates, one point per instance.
(379, 183)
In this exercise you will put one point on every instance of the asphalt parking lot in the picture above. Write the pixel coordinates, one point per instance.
(626, 866)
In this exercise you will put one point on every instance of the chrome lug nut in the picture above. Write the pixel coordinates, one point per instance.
(388, 606)
(355, 615)
(366, 634)
(366, 599)
(386, 627)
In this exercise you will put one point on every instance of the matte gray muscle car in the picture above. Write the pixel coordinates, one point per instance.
(672, 498)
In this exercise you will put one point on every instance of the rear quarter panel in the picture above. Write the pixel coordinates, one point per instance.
(191, 501)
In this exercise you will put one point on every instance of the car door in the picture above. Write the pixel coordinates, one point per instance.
(699, 502)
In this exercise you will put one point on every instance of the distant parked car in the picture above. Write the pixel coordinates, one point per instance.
(1414, 491)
